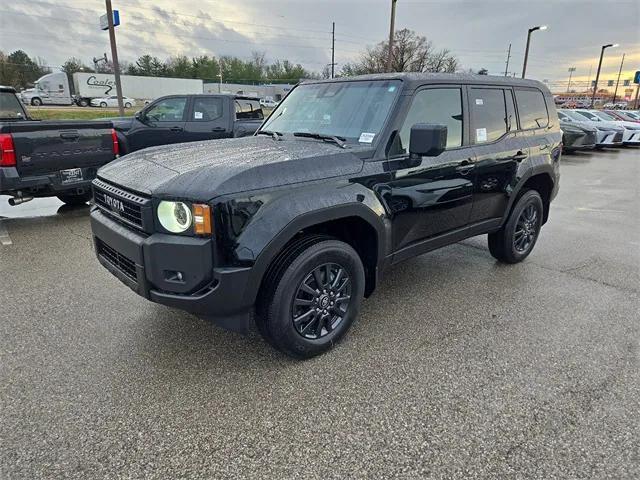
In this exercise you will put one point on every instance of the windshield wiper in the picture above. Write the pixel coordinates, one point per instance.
(340, 141)
(274, 135)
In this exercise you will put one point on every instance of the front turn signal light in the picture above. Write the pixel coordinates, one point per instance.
(201, 219)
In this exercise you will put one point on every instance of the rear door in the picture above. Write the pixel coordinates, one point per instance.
(499, 149)
(162, 123)
(209, 118)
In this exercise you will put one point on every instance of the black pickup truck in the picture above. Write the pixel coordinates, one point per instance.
(189, 118)
(49, 158)
(345, 178)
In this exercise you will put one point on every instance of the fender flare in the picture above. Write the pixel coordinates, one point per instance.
(306, 220)
(532, 172)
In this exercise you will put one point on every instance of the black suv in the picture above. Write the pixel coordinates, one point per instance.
(346, 177)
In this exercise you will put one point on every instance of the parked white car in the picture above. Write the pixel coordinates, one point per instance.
(112, 101)
(268, 103)
(631, 135)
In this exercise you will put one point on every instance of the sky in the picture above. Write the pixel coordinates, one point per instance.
(478, 32)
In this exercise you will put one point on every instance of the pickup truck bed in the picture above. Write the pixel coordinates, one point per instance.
(52, 158)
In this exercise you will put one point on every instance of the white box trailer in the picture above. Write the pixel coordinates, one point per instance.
(54, 88)
(95, 85)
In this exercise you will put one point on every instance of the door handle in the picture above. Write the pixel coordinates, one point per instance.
(465, 167)
(518, 157)
(177, 129)
(69, 135)
(218, 129)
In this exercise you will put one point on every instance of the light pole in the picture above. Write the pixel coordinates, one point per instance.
(526, 50)
(595, 85)
(571, 70)
(391, 31)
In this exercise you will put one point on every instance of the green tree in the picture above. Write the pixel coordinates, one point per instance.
(180, 67)
(73, 65)
(19, 70)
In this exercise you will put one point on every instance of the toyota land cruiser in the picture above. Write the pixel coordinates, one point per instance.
(295, 225)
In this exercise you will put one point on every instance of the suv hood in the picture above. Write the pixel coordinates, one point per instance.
(203, 170)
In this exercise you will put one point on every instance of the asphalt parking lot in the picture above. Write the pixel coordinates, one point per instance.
(458, 367)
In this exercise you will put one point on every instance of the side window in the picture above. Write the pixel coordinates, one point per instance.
(488, 114)
(206, 109)
(168, 110)
(532, 109)
(438, 106)
(248, 110)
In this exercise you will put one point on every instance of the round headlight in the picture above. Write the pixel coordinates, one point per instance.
(174, 216)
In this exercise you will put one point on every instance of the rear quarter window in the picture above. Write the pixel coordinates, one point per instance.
(532, 109)
(248, 110)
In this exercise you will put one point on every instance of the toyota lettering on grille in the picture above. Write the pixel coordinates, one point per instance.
(114, 204)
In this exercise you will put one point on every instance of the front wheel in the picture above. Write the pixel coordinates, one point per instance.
(75, 199)
(311, 297)
(103, 104)
(36, 102)
(516, 239)
(127, 105)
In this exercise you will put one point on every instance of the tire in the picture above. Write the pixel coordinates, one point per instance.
(127, 105)
(36, 102)
(103, 104)
(516, 239)
(324, 316)
(74, 199)
(83, 102)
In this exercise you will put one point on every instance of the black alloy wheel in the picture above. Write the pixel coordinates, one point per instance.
(321, 301)
(526, 229)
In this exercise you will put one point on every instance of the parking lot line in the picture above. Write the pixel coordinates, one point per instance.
(5, 239)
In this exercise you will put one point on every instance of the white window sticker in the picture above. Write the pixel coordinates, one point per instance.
(366, 137)
(479, 101)
(197, 115)
(481, 134)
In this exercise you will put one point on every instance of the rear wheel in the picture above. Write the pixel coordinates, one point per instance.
(516, 239)
(75, 199)
(311, 296)
(103, 104)
(36, 102)
(83, 102)
(127, 105)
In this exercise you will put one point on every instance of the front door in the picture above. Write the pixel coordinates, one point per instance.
(434, 197)
(160, 124)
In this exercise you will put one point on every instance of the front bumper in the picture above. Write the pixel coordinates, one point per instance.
(631, 137)
(148, 264)
(45, 184)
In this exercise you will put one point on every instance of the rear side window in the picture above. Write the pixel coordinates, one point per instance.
(248, 110)
(532, 109)
(437, 106)
(488, 114)
(206, 109)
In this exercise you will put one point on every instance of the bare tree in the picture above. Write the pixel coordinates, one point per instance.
(410, 53)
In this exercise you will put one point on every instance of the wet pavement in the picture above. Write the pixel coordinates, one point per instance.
(458, 367)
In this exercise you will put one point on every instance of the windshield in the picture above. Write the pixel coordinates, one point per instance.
(606, 116)
(10, 107)
(356, 111)
(575, 116)
(588, 116)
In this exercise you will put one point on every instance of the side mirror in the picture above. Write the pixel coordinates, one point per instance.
(427, 140)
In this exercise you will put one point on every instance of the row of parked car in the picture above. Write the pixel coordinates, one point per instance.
(585, 129)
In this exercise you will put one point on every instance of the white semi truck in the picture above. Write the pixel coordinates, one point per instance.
(55, 89)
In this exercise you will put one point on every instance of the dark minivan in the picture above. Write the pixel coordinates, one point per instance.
(294, 226)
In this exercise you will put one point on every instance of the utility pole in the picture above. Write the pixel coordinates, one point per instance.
(391, 32)
(506, 69)
(333, 47)
(571, 70)
(615, 92)
(114, 56)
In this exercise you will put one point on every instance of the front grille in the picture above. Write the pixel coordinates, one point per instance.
(122, 263)
(617, 138)
(590, 139)
(123, 205)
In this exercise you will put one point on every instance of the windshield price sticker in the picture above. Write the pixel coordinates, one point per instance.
(481, 134)
(197, 115)
(479, 101)
(366, 137)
